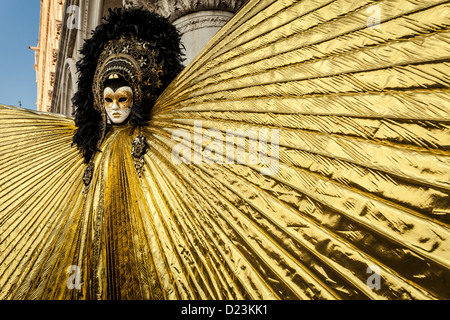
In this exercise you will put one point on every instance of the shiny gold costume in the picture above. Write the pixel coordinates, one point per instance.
(363, 113)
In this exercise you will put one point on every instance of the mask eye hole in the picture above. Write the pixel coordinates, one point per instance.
(109, 100)
(123, 99)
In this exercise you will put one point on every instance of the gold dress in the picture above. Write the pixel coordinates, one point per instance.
(361, 188)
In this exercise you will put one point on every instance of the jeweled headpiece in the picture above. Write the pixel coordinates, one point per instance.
(133, 60)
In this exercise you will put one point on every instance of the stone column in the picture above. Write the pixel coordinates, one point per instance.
(198, 21)
(198, 28)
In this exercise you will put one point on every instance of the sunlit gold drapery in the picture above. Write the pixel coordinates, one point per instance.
(363, 178)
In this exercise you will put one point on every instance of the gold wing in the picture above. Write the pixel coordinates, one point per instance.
(338, 187)
(41, 199)
(362, 187)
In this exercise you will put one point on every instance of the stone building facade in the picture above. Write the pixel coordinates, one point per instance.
(65, 24)
(81, 17)
(46, 52)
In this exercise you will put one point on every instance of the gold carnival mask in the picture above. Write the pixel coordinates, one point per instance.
(118, 103)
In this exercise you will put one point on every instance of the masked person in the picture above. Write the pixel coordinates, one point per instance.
(301, 155)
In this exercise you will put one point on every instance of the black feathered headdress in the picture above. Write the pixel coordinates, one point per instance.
(156, 46)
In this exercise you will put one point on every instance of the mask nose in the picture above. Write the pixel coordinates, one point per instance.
(115, 106)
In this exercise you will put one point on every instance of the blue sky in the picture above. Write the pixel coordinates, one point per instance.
(19, 29)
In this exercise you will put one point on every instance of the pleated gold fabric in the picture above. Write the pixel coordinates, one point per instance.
(357, 117)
